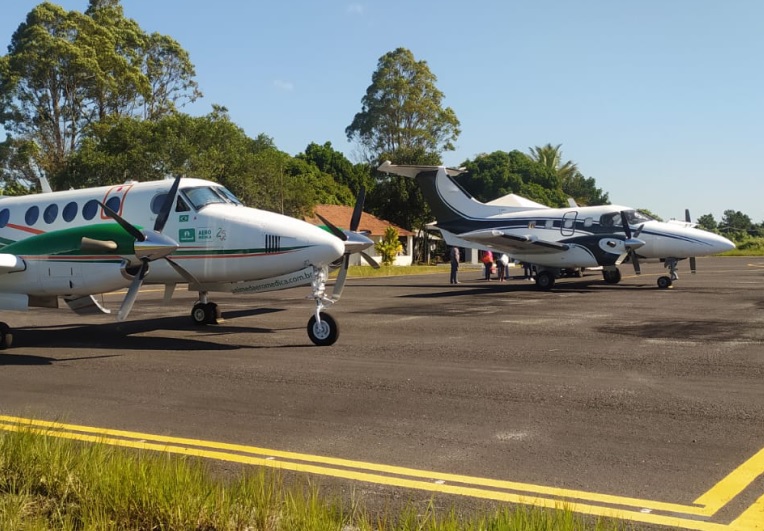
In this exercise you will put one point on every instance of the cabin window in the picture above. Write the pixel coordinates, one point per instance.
(90, 209)
(158, 202)
(202, 196)
(588, 222)
(32, 215)
(228, 195)
(181, 205)
(70, 211)
(5, 215)
(549, 224)
(113, 203)
(50, 214)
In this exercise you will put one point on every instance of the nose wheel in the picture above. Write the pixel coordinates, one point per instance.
(323, 332)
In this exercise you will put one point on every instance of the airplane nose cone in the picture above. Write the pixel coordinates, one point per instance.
(328, 248)
(721, 244)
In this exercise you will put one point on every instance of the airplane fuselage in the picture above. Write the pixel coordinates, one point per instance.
(220, 240)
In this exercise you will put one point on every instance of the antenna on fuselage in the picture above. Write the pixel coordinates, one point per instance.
(45, 185)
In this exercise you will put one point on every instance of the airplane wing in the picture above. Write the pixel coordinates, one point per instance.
(513, 243)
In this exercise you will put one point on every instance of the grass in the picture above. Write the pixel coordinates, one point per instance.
(48, 483)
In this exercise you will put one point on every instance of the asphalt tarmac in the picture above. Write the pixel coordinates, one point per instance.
(621, 399)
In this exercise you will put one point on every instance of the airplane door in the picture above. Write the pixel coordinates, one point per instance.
(115, 199)
(568, 225)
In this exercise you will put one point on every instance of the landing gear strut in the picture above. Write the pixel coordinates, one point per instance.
(323, 330)
(665, 282)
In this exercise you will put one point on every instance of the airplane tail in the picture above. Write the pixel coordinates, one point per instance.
(454, 208)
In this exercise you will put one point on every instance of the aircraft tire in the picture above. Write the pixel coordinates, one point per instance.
(6, 336)
(324, 333)
(611, 276)
(203, 314)
(544, 280)
(664, 282)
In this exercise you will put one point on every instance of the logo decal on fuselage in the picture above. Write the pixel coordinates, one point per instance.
(187, 235)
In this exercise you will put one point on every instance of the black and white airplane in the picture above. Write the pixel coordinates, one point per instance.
(553, 239)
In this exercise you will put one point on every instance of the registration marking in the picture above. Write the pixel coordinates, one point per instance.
(698, 516)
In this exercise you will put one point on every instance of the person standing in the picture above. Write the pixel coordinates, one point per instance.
(454, 264)
(503, 265)
(488, 262)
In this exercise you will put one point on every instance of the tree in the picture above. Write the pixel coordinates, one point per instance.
(735, 224)
(389, 246)
(333, 162)
(707, 222)
(402, 119)
(551, 157)
(66, 71)
(402, 111)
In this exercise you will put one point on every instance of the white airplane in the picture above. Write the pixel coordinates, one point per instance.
(67, 244)
(554, 239)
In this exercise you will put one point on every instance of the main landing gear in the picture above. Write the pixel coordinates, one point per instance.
(205, 312)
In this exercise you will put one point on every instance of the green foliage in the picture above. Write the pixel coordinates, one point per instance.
(500, 173)
(66, 71)
(402, 110)
(389, 246)
(47, 483)
(707, 222)
(334, 163)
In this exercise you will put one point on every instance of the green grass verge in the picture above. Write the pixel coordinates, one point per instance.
(48, 483)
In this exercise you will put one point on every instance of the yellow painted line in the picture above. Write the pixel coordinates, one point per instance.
(732, 485)
(751, 519)
(387, 469)
(360, 471)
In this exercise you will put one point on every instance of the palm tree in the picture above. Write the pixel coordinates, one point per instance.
(551, 157)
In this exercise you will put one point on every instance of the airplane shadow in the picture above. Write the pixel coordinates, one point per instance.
(114, 336)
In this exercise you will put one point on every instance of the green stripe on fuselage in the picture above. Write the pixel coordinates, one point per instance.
(68, 241)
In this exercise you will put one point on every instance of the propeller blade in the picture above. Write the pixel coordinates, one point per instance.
(132, 293)
(164, 213)
(358, 210)
(373, 263)
(334, 230)
(692, 265)
(639, 229)
(339, 285)
(635, 263)
(625, 223)
(131, 229)
(191, 279)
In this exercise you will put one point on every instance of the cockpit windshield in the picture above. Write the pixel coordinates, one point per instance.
(201, 196)
(634, 217)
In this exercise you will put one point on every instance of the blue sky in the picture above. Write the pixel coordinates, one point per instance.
(661, 101)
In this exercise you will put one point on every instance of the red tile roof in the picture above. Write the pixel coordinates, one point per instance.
(340, 215)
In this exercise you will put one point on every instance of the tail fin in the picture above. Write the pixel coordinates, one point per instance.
(450, 203)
